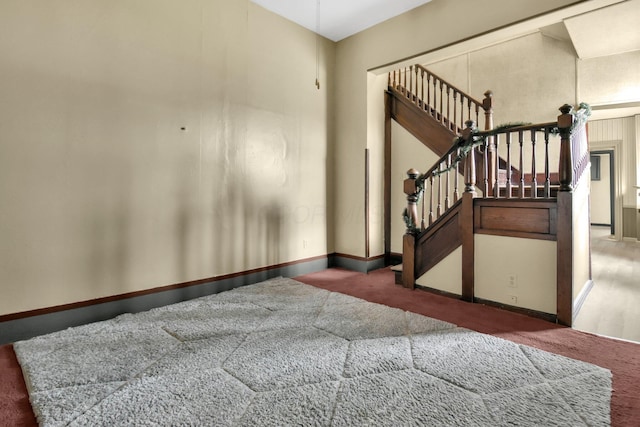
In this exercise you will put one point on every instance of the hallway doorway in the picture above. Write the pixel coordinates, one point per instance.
(602, 189)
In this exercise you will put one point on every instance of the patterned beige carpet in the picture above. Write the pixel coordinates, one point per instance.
(285, 353)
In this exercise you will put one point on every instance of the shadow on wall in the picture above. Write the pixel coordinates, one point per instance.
(246, 233)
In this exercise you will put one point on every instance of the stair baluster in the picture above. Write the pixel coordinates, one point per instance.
(439, 206)
(410, 91)
(485, 169)
(451, 128)
(534, 179)
(441, 103)
(470, 160)
(462, 97)
(431, 217)
(455, 111)
(493, 164)
(521, 165)
(496, 163)
(422, 89)
(508, 168)
(547, 174)
(447, 184)
(456, 177)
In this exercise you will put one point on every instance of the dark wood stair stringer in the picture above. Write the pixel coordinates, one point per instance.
(436, 242)
(420, 124)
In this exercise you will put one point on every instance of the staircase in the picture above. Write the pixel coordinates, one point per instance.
(525, 182)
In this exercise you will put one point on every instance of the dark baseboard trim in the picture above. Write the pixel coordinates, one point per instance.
(394, 258)
(355, 263)
(526, 311)
(28, 324)
(438, 292)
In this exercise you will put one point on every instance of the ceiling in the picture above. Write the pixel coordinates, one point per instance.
(337, 19)
(611, 30)
(603, 31)
(608, 31)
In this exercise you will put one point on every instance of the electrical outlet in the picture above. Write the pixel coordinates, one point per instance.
(512, 281)
(513, 299)
(304, 244)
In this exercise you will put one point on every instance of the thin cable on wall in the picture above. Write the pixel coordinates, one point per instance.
(318, 44)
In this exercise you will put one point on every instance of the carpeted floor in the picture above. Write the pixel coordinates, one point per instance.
(282, 353)
(621, 357)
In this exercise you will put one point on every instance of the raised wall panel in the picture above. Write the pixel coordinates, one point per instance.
(527, 219)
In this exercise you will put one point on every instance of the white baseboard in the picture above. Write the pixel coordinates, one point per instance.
(577, 303)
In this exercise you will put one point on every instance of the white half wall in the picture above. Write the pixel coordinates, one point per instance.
(533, 262)
(446, 276)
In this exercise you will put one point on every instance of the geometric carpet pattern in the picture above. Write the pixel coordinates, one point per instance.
(284, 353)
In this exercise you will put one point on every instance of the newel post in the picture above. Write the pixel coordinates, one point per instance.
(413, 194)
(466, 214)
(565, 168)
(564, 236)
(487, 105)
(470, 159)
(411, 189)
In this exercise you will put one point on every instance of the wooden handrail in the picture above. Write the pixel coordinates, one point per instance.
(432, 195)
(537, 127)
(459, 112)
(418, 186)
(481, 104)
(449, 105)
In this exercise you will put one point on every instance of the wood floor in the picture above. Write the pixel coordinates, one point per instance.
(612, 307)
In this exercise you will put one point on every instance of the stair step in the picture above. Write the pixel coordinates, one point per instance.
(397, 270)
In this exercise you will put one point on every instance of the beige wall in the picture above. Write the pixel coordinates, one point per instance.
(407, 153)
(532, 261)
(102, 193)
(615, 80)
(531, 77)
(581, 234)
(631, 220)
(637, 185)
(376, 86)
(446, 276)
(610, 79)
